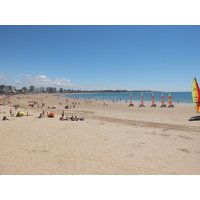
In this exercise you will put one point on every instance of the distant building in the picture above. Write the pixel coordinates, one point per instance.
(32, 88)
(7, 89)
(2, 88)
(50, 90)
(53, 90)
(61, 90)
(42, 90)
(37, 90)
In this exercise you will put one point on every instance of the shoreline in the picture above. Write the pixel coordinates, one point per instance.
(135, 101)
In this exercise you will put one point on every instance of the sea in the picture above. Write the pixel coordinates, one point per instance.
(177, 97)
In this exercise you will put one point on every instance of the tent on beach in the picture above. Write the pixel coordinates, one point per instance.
(51, 115)
(20, 114)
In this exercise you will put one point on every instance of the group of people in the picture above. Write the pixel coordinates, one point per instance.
(69, 107)
(62, 118)
(42, 114)
(72, 118)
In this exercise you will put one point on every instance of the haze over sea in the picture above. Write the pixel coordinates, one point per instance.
(177, 97)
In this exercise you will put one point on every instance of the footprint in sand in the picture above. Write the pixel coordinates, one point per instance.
(184, 150)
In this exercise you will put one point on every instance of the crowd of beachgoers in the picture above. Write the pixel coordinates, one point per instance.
(5, 100)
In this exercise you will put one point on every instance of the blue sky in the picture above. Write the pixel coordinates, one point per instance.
(130, 57)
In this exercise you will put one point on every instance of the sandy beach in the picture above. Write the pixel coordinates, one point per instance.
(113, 139)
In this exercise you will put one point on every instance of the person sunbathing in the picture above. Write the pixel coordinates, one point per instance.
(68, 118)
(73, 118)
(81, 119)
(62, 119)
(41, 115)
(5, 118)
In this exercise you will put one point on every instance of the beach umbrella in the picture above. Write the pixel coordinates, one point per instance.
(20, 114)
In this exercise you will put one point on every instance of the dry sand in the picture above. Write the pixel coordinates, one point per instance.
(112, 140)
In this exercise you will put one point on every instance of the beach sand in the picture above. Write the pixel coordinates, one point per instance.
(112, 140)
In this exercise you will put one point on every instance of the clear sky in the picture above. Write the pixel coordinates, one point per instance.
(132, 57)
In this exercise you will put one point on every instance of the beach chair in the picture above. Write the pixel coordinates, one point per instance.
(153, 105)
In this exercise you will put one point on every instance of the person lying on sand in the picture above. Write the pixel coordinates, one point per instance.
(81, 119)
(5, 118)
(62, 118)
(74, 118)
(41, 115)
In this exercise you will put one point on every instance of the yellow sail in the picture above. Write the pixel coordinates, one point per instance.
(196, 95)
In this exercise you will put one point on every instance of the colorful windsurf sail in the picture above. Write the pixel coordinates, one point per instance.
(142, 98)
(131, 99)
(162, 99)
(153, 98)
(170, 98)
(196, 95)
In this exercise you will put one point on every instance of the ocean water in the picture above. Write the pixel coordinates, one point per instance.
(177, 97)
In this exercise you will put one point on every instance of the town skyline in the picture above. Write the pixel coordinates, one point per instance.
(4, 89)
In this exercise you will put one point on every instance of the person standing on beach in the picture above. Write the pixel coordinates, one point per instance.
(63, 113)
(11, 112)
